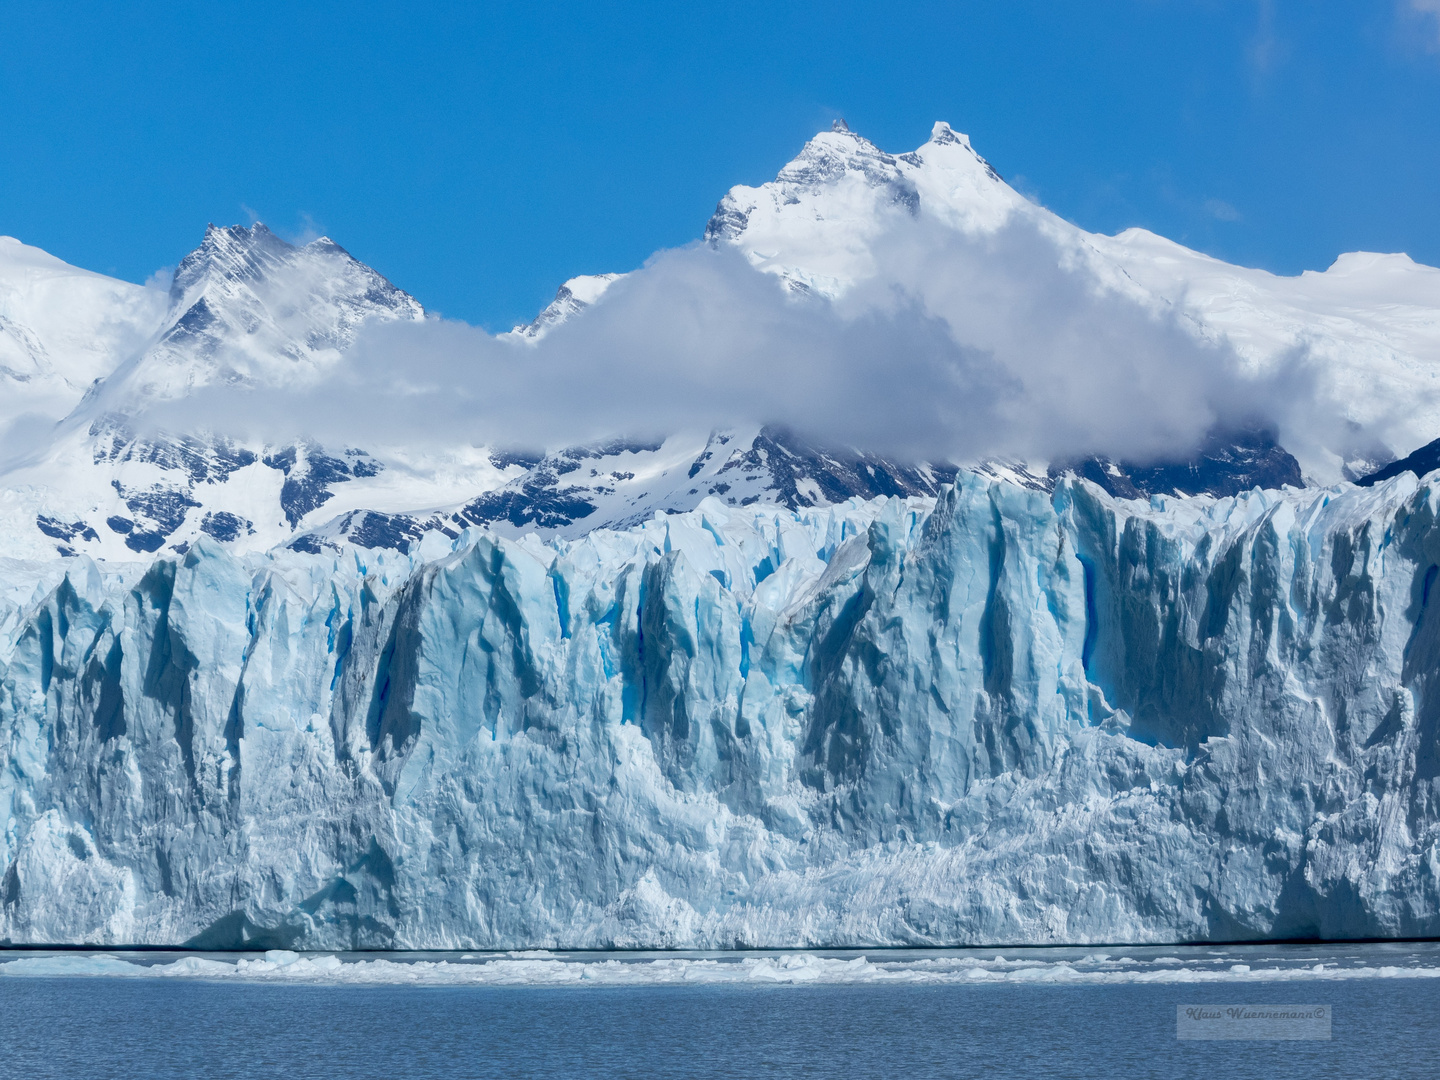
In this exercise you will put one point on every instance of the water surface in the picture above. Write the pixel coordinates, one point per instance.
(1030, 1013)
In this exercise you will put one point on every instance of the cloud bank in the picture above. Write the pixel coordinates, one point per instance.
(959, 348)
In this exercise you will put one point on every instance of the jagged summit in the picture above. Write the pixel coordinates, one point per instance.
(233, 252)
(256, 258)
(252, 254)
(815, 223)
(571, 298)
(247, 306)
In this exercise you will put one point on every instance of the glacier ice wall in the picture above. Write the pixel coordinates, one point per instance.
(999, 716)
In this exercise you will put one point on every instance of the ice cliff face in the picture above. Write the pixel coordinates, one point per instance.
(1002, 715)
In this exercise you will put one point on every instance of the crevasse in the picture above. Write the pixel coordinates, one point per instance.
(999, 716)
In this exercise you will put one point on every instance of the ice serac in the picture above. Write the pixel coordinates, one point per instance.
(1000, 715)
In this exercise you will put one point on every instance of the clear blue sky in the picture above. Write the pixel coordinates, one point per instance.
(478, 154)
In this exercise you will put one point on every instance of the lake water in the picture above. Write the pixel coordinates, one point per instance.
(912, 1014)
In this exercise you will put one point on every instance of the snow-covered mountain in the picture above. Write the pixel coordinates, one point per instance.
(246, 308)
(570, 299)
(1369, 325)
(62, 330)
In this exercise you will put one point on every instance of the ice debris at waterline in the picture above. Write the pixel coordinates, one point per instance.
(999, 716)
(795, 969)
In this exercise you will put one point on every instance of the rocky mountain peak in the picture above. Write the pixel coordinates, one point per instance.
(571, 298)
(814, 223)
(248, 306)
(230, 252)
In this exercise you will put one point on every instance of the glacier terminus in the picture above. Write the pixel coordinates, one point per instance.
(997, 716)
(734, 690)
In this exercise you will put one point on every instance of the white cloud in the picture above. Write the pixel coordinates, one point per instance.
(1265, 46)
(1429, 13)
(1221, 210)
(960, 347)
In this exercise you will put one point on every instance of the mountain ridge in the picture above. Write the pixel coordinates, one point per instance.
(247, 307)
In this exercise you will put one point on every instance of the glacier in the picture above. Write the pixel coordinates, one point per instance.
(695, 691)
(995, 716)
